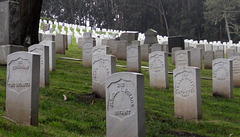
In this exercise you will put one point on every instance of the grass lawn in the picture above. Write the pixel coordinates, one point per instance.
(83, 115)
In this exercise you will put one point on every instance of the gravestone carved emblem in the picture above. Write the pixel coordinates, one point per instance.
(184, 84)
(156, 64)
(19, 75)
(220, 71)
(122, 103)
(101, 71)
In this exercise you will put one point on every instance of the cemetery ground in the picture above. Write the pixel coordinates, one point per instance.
(83, 115)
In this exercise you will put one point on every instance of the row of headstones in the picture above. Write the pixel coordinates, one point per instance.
(187, 87)
(125, 106)
(26, 72)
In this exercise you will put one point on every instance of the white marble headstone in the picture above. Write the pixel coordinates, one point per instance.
(43, 51)
(158, 70)
(236, 70)
(196, 57)
(182, 58)
(22, 85)
(187, 93)
(133, 58)
(102, 67)
(208, 58)
(222, 73)
(125, 105)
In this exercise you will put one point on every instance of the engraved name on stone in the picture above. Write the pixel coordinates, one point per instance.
(181, 59)
(18, 78)
(184, 84)
(220, 71)
(102, 71)
(122, 90)
(156, 64)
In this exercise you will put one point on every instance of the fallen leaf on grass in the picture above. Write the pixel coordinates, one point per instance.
(64, 97)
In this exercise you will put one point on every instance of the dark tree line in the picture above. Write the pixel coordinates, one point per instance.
(190, 18)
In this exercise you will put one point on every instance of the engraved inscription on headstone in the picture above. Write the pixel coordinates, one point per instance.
(134, 58)
(187, 93)
(222, 78)
(182, 58)
(103, 66)
(236, 71)
(22, 85)
(158, 69)
(125, 105)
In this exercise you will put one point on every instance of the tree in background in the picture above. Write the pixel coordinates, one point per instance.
(227, 11)
(188, 18)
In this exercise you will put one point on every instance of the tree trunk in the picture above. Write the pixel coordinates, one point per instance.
(227, 26)
(29, 22)
(161, 11)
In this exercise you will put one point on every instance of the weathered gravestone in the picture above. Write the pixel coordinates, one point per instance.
(175, 41)
(236, 70)
(22, 96)
(229, 51)
(150, 37)
(188, 48)
(5, 50)
(87, 52)
(125, 105)
(156, 47)
(201, 46)
(187, 93)
(208, 47)
(129, 36)
(100, 50)
(65, 41)
(133, 58)
(69, 39)
(87, 34)
(135, 42)
(173, 54)
(233, 54)
(43, 51)
(60, 44)
(80, 42)
(222, 78)
(104, 42)
(47, 36)
(110, 44)
(102, 67)
(196, 57)
(122, 50)
(166, 48)
(52, 53)
(114, 47)
(9, 23)
(219, 54)
(46, 27)
(145, 50)
(182, 58)
(208, 58)
(158, 70)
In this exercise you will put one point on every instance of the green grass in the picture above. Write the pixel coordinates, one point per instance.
(81, 115)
